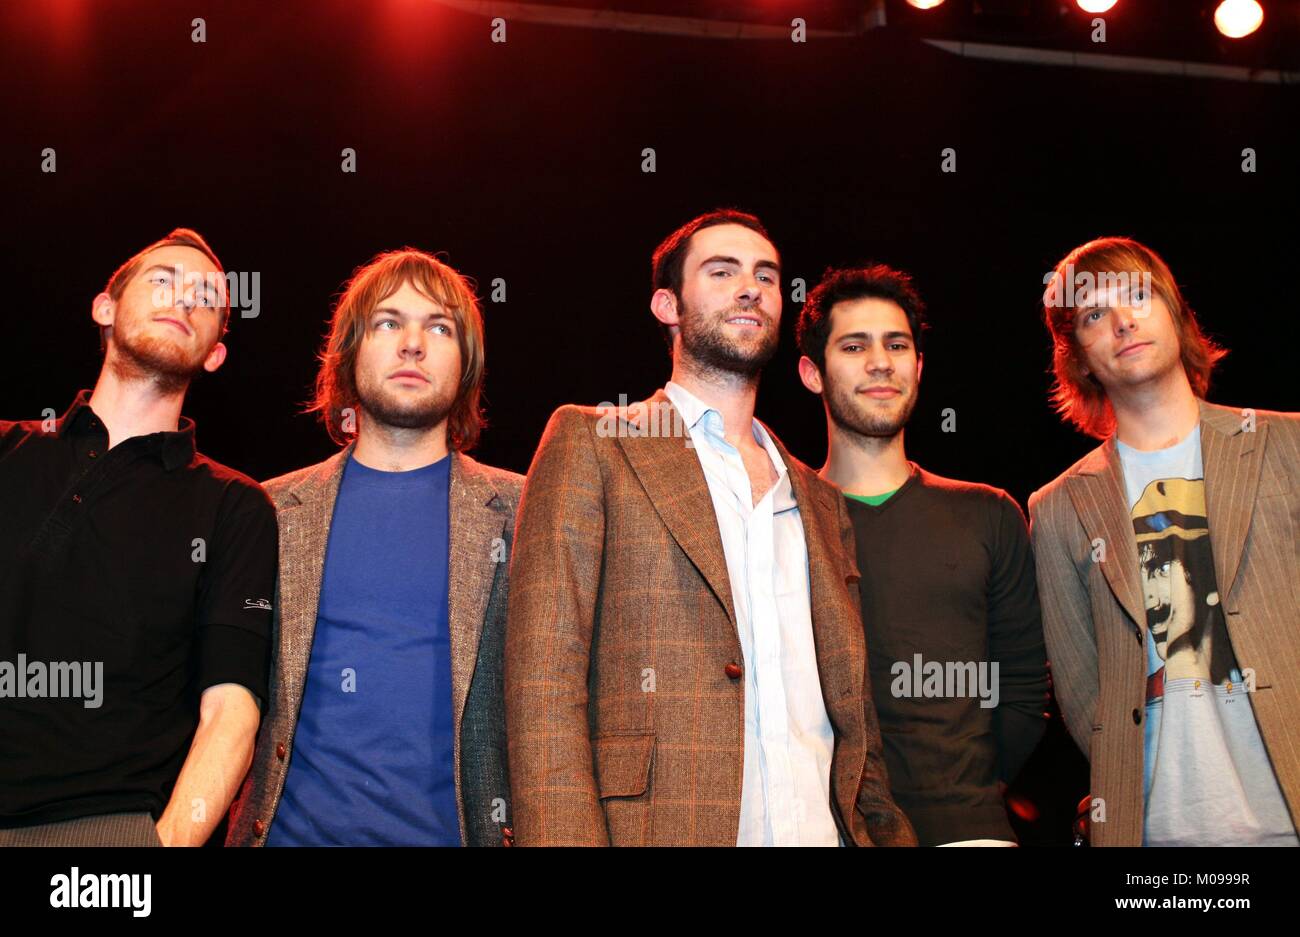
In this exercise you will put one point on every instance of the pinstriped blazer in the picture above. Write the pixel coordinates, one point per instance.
(1094, 613)
(625, 725)
(482, 505)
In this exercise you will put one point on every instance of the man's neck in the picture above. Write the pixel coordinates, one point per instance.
(1156, 416)
(134, 407)
(396, 449)
(864, 465)
(732, 395)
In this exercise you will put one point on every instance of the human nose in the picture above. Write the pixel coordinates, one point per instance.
(1125, 319)
(412, 345)
(877, 360)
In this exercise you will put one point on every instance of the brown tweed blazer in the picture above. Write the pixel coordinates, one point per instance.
(624, 725)
(1094, 615)
(482, 511)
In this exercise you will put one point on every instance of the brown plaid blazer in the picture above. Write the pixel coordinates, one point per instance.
(624, 726)
(482, 511)
(1094, 615)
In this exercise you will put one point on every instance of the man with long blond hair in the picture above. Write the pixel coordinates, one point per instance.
(386, 724)
(1167, 568)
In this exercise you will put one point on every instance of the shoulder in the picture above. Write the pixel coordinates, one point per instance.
(507, 483)
(974, 500)
(19, 433)
(1054, 493)
(973, 492)
(1230, 419)
(239, 491)
(279, 487)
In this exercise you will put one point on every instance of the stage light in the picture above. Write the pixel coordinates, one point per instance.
(924, 4)
(1238, 18)
(1095, 6)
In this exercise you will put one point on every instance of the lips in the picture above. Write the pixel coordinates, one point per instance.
(409, 376)
(881, 393)
(1130, 349)
(750, 321)
(173, 322)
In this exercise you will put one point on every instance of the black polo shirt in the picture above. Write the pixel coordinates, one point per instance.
(149, 561)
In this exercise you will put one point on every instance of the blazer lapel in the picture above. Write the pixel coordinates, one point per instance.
(476, 547)
(827, 563)
(1097, 490)
(654, 437)
(304, 535)
(1232, 459)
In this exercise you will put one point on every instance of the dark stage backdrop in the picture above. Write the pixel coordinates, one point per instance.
(523, 161)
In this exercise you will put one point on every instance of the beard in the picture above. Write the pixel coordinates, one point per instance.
(144, 357)
(389, 409)
(705, 340)
(848, 415)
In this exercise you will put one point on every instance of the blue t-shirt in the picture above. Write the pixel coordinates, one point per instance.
(1209, 780)
(372, 756)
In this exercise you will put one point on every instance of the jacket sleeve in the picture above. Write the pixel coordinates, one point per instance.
(886, 823)
(1067, 617)
(1016, 641)
(555, 577)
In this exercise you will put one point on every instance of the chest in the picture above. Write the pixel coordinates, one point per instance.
(760, 470)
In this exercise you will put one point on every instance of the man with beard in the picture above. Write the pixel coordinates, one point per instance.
(135, 591)
(685, 662)
(947, 573)
(386, 724)
(1167, 565)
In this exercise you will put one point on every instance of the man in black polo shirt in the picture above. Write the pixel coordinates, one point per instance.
(135, 586)
(949, 600)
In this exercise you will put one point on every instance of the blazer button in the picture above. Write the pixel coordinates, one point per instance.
(259, 828)
(279, 751)
(507, 836)
(733, 670)
(1137, 717)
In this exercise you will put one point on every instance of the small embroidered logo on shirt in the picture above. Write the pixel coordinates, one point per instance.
(263, 604)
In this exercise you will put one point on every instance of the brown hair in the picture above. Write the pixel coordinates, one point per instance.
(180, 237)
(1078, 396)
(845, 284)
(668, 261)
(384, 275)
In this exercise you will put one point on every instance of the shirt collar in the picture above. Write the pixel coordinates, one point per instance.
(693, 410)
(173, 449)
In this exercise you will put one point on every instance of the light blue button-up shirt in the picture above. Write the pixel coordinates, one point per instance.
(785, 793)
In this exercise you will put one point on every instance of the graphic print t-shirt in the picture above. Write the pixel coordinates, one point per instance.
(1209, 781)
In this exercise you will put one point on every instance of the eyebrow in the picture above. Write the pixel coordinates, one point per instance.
(866, 336)
(389, 310)
(762, 264)
(172, 268)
